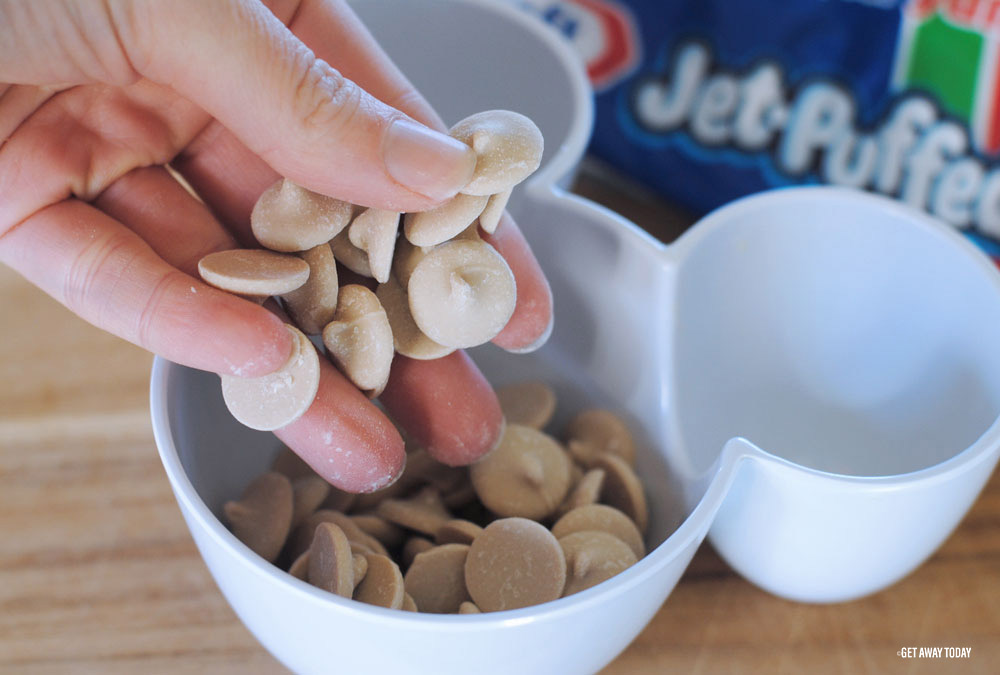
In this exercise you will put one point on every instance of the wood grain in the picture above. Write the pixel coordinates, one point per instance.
(98, 572)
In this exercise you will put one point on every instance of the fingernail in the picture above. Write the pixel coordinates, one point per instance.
(426, 161)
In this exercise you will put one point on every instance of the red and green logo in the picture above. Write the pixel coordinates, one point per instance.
(949, 48)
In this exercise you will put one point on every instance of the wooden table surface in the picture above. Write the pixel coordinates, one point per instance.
(99, 574)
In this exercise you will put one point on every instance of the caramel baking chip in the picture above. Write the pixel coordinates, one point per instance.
(423, 513)
(308, 493)
(593, 557)
(508, 149)
(389, 534)
(359, 339)
(526, 475)
(288, 217)
(457, 531)
(300, 568)
(276, 400)
(444, 222)
(413, 547)
(593, 433)
(253, 271)
(530, 403)
(382, 585)
(407, 338)
(623, 489)
(331, 562)
(262, 517)
(462, 293)
(601, 518)
(436, 579)
(586, 491)
(312, 305)
(515, 562)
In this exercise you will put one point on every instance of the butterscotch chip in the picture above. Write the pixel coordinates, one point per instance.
(300, 568)
(331, 562)
(515, 562)
(303, 535)
(436, 579)
(601, 518)
(424, 468)
(308, 493)
(349, 255)
(526, 475)
(413, 547)
(593, 433)
(313, 304)
(338, 500)
(262, 517)
(409, 604)
(457, 531)
(461, 496)
(424, 513)
(468, 608)
(288, 217)
(360, 563)
(253, 271)
(359, 339)
(382, 585)
(407, 338)
(462, 293)
(290, 464)
(623, 490)
(275, 400)
(490, 217)
(530, 404)
(471, 233)
(406, 259)
(586, 491)
(374, 232)
(593, 557)
(508, 149)
(380, 528)
(357, 548)
(438, 225)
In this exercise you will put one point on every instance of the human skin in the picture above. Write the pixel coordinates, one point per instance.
(98, 96)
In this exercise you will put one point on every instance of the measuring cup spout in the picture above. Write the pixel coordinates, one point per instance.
(813, 536)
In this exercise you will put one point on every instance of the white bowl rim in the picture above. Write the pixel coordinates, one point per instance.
(541, 185)
(987, 445)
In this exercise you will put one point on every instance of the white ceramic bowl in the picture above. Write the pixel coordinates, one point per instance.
(849, 339)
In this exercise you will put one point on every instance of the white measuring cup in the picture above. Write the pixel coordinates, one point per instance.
(813, 377)
(854, 343)
(823, 365)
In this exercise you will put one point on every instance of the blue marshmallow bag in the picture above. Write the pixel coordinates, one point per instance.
(709, 100)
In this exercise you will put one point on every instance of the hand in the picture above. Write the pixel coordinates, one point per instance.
(101, 95)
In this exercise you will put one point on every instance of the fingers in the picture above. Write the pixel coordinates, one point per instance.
(109, 276)
(446, 405)
(338, 36)
(345, 438)
(295, 111)
(179, 228)
(531, 324)
(343, 435)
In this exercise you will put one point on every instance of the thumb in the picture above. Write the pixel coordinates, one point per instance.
(241, 64)
(237, 61)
